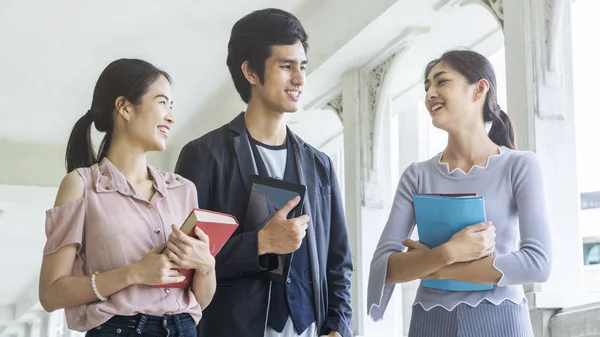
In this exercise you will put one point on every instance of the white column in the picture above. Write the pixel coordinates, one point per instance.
(44, 324)
(413, 137)
(365, 111)
(364, 215)
(540, 102)
(33, 328)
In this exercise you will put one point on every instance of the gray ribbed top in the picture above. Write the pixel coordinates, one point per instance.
(511, 184)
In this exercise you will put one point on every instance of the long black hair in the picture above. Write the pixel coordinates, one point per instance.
(475, 67)
(128, 78)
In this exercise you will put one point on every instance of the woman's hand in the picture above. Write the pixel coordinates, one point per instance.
(472, 242)
(412, 246)
(189, 252)
(155, 269)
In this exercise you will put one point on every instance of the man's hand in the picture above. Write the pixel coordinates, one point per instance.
(333, 333)
(282, 235)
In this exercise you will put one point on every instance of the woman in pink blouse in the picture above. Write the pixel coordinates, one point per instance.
(113, 233)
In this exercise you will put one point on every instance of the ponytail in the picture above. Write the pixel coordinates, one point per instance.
(502, 132)
(80, 152)
(105, 145)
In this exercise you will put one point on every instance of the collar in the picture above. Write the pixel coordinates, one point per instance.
(238, 125)
(107, 179)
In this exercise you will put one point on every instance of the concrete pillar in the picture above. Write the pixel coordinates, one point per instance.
(364, 210)
(365, 112)
(540, 103)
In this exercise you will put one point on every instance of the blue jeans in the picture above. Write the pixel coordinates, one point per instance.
(180, 325)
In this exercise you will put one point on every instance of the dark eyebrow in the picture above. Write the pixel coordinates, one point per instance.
(435, 76)
(286, 60)
(165, 97)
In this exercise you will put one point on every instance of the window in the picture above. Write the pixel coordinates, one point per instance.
(591, 253)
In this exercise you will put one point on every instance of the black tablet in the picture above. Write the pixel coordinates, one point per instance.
(276, 193)
(267, 196)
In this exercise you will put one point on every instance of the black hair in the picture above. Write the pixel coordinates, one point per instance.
(128, 78)
(475, 67)
(252, 38)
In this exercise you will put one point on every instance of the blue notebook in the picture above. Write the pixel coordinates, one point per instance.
(438, 218)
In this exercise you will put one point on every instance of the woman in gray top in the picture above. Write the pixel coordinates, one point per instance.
(511, 249)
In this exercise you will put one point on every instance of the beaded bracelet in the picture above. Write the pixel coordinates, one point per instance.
(95, 288)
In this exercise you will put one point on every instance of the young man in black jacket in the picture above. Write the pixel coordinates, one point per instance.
(267, 61)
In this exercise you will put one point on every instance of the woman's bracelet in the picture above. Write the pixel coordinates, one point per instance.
(95, 288)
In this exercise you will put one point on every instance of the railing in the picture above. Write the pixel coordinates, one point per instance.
(591, 278)
(583, 321)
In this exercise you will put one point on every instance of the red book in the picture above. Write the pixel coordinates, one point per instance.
(218, 226)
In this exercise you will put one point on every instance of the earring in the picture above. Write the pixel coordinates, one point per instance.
(126, 115)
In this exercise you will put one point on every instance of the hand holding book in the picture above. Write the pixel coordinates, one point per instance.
(155, 269)
(413, 245)
(472, 242)
(275, 210)
(469, 244)
(190, 252)
(457, 225)
(202, 234)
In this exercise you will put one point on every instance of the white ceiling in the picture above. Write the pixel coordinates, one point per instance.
(53, 52)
